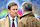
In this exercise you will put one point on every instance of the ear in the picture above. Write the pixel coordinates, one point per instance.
(23, 9)
(8, 11)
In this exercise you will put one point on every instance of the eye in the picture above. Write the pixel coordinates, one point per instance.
(13, 9)
(16, 9)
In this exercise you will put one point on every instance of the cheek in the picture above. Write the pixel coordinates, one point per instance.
(22, 10)
(11, 12)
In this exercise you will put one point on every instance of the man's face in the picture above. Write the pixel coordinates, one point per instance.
(13, 11)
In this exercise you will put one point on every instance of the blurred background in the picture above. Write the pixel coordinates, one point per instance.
(4, 4)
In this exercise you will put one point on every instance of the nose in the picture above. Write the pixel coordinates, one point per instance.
(15, 10)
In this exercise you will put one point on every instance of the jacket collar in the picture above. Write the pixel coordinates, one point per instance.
(16, 19)
(28, 14)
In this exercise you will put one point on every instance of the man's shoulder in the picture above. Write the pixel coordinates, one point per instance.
(1, 20)
(29, 18)
(35, 18)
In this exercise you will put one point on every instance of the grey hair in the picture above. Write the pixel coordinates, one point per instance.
(27, 6)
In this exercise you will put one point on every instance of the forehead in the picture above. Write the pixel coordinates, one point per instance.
(14, 7)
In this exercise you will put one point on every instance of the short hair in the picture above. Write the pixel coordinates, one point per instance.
(27, 6)
(11, 4)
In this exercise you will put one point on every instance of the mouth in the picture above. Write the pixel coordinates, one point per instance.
(15, 13)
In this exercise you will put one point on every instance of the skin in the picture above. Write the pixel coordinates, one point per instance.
(23, 10)
(13, 11)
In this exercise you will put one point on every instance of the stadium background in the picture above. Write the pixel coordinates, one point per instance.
(4, 4)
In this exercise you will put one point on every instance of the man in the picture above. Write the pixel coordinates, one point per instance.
(11, 20)
(28, 19)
